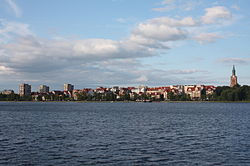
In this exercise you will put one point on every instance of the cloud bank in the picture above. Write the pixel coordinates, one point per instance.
(26, 55)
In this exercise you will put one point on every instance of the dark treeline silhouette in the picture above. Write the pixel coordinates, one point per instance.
(14, 97)
(236, 93)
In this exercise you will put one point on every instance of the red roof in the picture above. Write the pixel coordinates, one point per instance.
(210, 87)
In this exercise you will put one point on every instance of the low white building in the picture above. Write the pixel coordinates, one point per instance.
(7, 92)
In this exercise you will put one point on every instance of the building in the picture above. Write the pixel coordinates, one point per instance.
(115, 89)
(76, 92)
(101, 90)
(24, 89)
(194, 91)
(68, 87)
(209, 89)
(43, 89)
(177, 89)
(7, 92)
(140, 89)
(233, 78)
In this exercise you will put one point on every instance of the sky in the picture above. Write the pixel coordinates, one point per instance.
(91, 43)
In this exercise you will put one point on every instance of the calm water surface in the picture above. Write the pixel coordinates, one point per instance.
(124, 134)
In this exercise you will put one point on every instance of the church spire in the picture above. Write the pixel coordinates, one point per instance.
(234, 71)
(233, 78)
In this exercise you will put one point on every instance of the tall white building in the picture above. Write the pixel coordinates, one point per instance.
(68, 87)
(43, 89)
(24, 89)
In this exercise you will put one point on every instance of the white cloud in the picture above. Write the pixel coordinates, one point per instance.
(183, 5)
(236, 7)
(187, 71)
(9, 30)
(17, 11)
(121, 20)
(33, 54)
(232, 60)
(216, 15)
(163, 9)
(207, 37)
(185, 22)
(5, 71)
(167, 2)
(160, 32)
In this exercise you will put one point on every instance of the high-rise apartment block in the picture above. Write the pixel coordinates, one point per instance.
(233, 78)
(68, 87)
(43, 89)
(24, 89)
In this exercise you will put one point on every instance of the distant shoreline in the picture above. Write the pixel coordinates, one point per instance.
(124, 102)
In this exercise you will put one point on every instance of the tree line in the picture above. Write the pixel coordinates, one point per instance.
(236, 93)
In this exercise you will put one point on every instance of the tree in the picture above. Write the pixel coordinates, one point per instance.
(236, 93)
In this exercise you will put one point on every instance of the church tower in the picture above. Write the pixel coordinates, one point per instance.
(233, 78)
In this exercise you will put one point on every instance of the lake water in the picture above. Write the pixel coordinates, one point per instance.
(124, 134)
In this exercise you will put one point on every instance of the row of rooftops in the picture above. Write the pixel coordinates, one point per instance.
(139, 89)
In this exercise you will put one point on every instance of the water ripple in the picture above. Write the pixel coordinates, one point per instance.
(124, 134)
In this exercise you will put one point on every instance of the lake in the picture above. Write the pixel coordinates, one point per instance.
(64, 133)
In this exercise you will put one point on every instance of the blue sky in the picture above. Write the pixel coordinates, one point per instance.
(90, 43)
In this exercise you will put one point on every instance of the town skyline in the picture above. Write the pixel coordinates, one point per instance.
(70, 87)
(42, 87)
(99, 43)
(142, 93)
